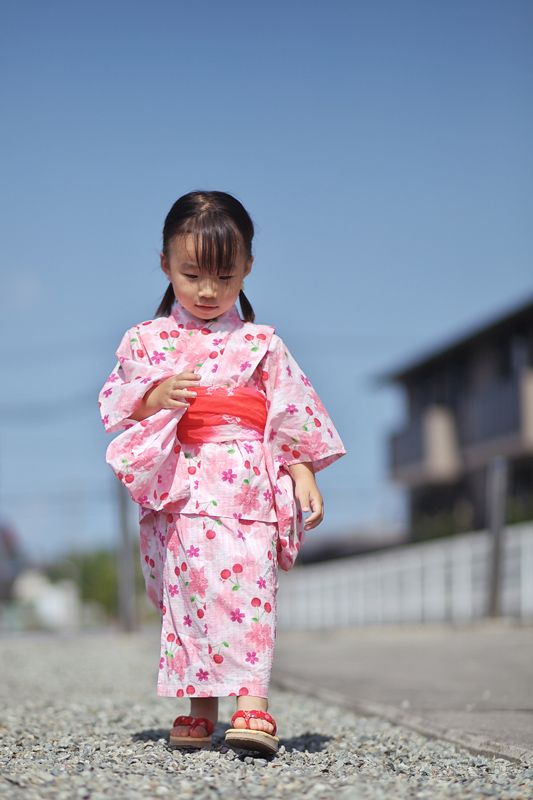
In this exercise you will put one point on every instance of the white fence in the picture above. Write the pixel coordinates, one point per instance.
(434, 581)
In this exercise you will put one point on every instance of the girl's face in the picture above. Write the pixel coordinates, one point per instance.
(206, 296)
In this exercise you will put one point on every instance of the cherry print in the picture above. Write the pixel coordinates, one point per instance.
(210, 534)
(171, 637)
(200, 613)
(163, 335)
(309, 410)
(225, 573)
(255, 601)
(256, 470)
(218, 659)
(174, 334)
(317, 422)
(180, 693)
(183, 566)
(249, 337)
(213, 354)
(268, 607)
(285, 448)
(192, 470)
(140, 353)
(237, 568)
(163, 496)
(177, 571)
(120, 475)
(296, 453)
(190, 689)
(243, 690)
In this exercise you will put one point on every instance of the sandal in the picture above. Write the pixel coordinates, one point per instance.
(252, 739)
(191, 741)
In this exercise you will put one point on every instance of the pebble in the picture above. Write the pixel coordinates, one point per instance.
(76, 737)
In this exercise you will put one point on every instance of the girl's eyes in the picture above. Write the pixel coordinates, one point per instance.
(222, 277)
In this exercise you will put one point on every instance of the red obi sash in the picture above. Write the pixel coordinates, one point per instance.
(244, 411)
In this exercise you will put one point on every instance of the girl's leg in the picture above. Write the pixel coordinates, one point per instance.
(246, 701)
(200, 707)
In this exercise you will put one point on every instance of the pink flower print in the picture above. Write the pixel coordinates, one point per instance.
(252, 657)
(187, 620)
(112, 378)
(272, 434)
(158, 357)
(198, 581)
(193, 551)
(146, 380)
(261, 583)
(108, 392)
(173, 589)
(240, 535)
(202, 674)
(267, 495)
(237, 615)
(306, 381)
(248, 499)
(105, 419)
(291, 408)
(312, 443)
(245, 365)
(229, 475)
(260, 636)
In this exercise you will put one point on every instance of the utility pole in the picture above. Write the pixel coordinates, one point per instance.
(496, 505)
(125, 568)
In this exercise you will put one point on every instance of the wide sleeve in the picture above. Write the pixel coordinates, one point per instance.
(298, 427)
(131, 378)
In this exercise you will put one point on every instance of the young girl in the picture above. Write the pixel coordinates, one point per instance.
(222, 436)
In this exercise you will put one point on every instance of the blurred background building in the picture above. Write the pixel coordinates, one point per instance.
(466, 401)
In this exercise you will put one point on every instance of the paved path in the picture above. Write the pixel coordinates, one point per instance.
(471, 684)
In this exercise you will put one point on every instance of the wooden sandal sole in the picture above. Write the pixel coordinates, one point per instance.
(189, 741)
(252, 740)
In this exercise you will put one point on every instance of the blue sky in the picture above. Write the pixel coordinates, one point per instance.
(383, 150)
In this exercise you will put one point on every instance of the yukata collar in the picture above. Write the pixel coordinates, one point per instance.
(227, 321)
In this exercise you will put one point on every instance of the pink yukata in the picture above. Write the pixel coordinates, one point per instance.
(217, 509)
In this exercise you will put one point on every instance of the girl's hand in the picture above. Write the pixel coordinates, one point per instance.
(308, 496)
(170, 393)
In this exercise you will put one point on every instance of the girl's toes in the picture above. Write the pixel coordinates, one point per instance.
(198, 731)
(239, 723)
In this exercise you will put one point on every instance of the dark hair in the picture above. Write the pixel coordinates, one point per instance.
(222, 224)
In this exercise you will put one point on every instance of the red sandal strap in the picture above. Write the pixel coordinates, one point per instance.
(255, 713)
(193, 721)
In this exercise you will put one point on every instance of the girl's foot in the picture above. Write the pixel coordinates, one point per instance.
(247, 732)
(254, 724)
(196, 731)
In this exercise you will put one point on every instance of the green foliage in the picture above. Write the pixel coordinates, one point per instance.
(96, 575)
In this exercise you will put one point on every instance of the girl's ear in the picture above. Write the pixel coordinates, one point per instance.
(248, 267)
(164, 264)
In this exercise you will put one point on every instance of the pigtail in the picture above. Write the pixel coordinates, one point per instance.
(167, 301)
(248, 313)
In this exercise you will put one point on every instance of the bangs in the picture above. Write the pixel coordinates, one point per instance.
(216, 242)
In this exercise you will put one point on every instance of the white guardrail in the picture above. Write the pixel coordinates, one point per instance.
(434, 581)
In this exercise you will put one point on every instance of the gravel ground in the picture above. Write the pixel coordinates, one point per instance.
(81, 719)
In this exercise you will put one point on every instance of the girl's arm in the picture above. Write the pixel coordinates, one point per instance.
(307, 493)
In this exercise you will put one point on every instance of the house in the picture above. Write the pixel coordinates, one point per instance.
(467, 401)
